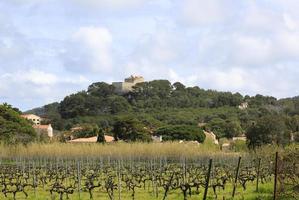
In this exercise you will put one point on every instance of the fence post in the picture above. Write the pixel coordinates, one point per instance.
(275, 178)
(258, 174)
(208, 180)
(236, 178)
(79, 178)
(119, 181)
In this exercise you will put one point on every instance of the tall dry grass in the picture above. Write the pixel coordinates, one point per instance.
(144, 150)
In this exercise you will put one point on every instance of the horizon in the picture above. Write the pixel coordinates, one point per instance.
(50, 49)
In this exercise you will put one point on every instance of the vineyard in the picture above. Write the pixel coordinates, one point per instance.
(230, 176)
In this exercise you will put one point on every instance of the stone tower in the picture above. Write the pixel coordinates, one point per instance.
(127, 85)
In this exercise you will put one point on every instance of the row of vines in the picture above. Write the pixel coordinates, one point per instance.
(122, 178)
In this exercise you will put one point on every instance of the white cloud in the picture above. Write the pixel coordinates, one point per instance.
(202, 12)
(244, 80)
(287, 45)
(24, 88)
(250, 50)
(110, 4)
(37, 77)
(290, 22)
(90, 50)
(258, 18)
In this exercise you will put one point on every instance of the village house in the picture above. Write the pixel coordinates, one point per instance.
(157, 138)
(128, 84)
(243, 106)
(240, 138)
(44, 129)
(34, 118)
(41, 129)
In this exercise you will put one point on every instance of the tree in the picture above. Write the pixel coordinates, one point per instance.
(13, 128)
(130, 129)
(101, 136)
(268, 130)
(293, 123)
(228, 128)
(73, 105)
(217, 125)
(181, 132)
(118, 104)
(87, 130)
(179, 86)
(11, 107)
(101, 89)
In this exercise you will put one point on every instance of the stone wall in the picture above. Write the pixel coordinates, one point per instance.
(127, 85)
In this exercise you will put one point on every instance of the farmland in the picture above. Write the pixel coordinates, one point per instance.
(127, 172)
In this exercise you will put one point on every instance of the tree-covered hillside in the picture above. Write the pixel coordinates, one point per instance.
(13, 128)
(157, 104)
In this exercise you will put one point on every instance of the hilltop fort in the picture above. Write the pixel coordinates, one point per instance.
(127, 85)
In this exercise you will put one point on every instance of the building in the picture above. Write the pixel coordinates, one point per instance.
(241, 138)
(44, 129)
(243, 106)
(157, 138)
(34, 118)
(127, 85)
(40, 129)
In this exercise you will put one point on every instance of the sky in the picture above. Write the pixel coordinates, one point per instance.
(52, 48)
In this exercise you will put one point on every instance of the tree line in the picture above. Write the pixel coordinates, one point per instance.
(159, 105)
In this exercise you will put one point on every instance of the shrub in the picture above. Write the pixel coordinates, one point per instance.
(181, 132)
(13, 128)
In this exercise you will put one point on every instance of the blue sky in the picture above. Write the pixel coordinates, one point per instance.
(52, 48)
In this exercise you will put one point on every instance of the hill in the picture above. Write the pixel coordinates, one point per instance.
(159, 103)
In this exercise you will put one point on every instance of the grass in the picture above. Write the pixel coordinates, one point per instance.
(144, 150)
(266, 193)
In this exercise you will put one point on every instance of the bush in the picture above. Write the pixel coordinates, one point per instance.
(130, 129)
(239, 146)
(181, 132)
(13, 128)
(88, 130)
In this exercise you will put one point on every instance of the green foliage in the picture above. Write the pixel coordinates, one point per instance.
(101, 89)
(130, 129)
(225, 128)
(267, 130)
(13, 128)
(181, 132)
(296, 137)
(118, 104)
(240, 146)
(88, 130)
(101, 136)
(159, 103)
(74, 105)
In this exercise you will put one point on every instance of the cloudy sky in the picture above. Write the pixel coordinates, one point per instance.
(51, 48)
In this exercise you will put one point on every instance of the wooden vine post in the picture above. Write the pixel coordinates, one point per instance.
(275, 178)
(258, 174)
(236, 177)
(208, 180)
(79, 179)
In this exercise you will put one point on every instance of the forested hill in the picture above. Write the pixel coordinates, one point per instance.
(158, 103)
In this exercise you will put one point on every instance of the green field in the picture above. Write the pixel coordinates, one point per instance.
(265, 193)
